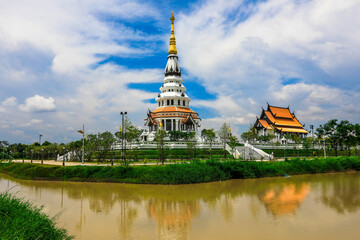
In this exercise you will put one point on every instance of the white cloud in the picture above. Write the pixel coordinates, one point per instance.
(71, 31)
(38, 104)
(10, 102)
(238, 50)
(36, 121)
(242, 52)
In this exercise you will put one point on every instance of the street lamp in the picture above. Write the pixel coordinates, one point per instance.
(83, 147)
(40, 135)
(123, 135)
(32, 156)
(63, 156)
(42, 156)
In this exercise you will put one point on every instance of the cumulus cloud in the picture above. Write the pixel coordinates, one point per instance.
(38, 103)
(241, 51)
(10, 102)
(245, 50)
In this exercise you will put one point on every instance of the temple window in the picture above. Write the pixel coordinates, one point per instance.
(183, 102)
(178, 102)
(172, 101)
(168, 102)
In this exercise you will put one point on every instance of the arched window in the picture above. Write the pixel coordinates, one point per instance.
(168, 102)
(183, 102)
(172, 102)
(179, 102)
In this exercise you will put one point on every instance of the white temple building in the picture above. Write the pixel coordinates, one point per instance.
(173, 112)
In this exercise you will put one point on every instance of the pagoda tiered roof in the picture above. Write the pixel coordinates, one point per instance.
(280, 119)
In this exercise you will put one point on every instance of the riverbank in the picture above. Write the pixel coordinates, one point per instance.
(20, 219)
(195, 172)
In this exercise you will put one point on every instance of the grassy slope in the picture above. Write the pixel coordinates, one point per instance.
(181, 173)
(21, 220)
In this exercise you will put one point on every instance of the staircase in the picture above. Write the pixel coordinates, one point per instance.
(249, 152)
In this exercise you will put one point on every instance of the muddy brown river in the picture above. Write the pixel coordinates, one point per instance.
(324, 206)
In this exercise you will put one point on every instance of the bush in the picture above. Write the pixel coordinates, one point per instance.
(20, 219)
(194, 172)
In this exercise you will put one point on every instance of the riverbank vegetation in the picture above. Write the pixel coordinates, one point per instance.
(20, 219)
(194, 172)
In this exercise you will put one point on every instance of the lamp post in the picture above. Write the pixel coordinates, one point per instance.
(123, 135)
(63, 156)
(83, 146)
(23, 152)
(42, 156)
(32, 156)
(40, 135)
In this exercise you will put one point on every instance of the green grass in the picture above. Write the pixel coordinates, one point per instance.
(20, 219)
(194, 172)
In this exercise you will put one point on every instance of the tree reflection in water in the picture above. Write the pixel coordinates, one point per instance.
(173, 218)
(342, 194)
(174, 208)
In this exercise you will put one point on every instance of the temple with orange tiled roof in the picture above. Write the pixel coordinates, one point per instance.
(279, 121)
(173, 112)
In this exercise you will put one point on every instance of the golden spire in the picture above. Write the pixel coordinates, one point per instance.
(229, 128)
(172, 48)
(161, 125)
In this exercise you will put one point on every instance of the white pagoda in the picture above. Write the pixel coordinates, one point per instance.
(173, 112)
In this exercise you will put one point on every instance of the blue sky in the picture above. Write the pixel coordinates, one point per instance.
(67, 62)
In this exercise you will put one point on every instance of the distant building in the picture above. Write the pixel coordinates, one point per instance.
(279, 121)
(173, 112)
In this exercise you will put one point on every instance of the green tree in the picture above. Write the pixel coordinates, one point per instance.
(160, 144)
(92, 145)
(175, 135)
(347, 135)
(224, 135)
(233, 142)
(46, 143)
(4, 145)
(357, 135)
(190, 145)
(250, 135)
(132, 134)
(106, 141)
(209, 135)
(332, 134)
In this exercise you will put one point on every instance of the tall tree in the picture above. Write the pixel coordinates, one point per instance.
(160, 143)
(190, 145)
(106, 141)
(332, 134)
(347, 135)
(224, 135)
(209, 135)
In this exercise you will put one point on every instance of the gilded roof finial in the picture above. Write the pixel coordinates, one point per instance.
(172, 48)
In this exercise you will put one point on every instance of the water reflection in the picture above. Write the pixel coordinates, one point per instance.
(173, 218)
(282, 200)
(342, 195)
(179, 212)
